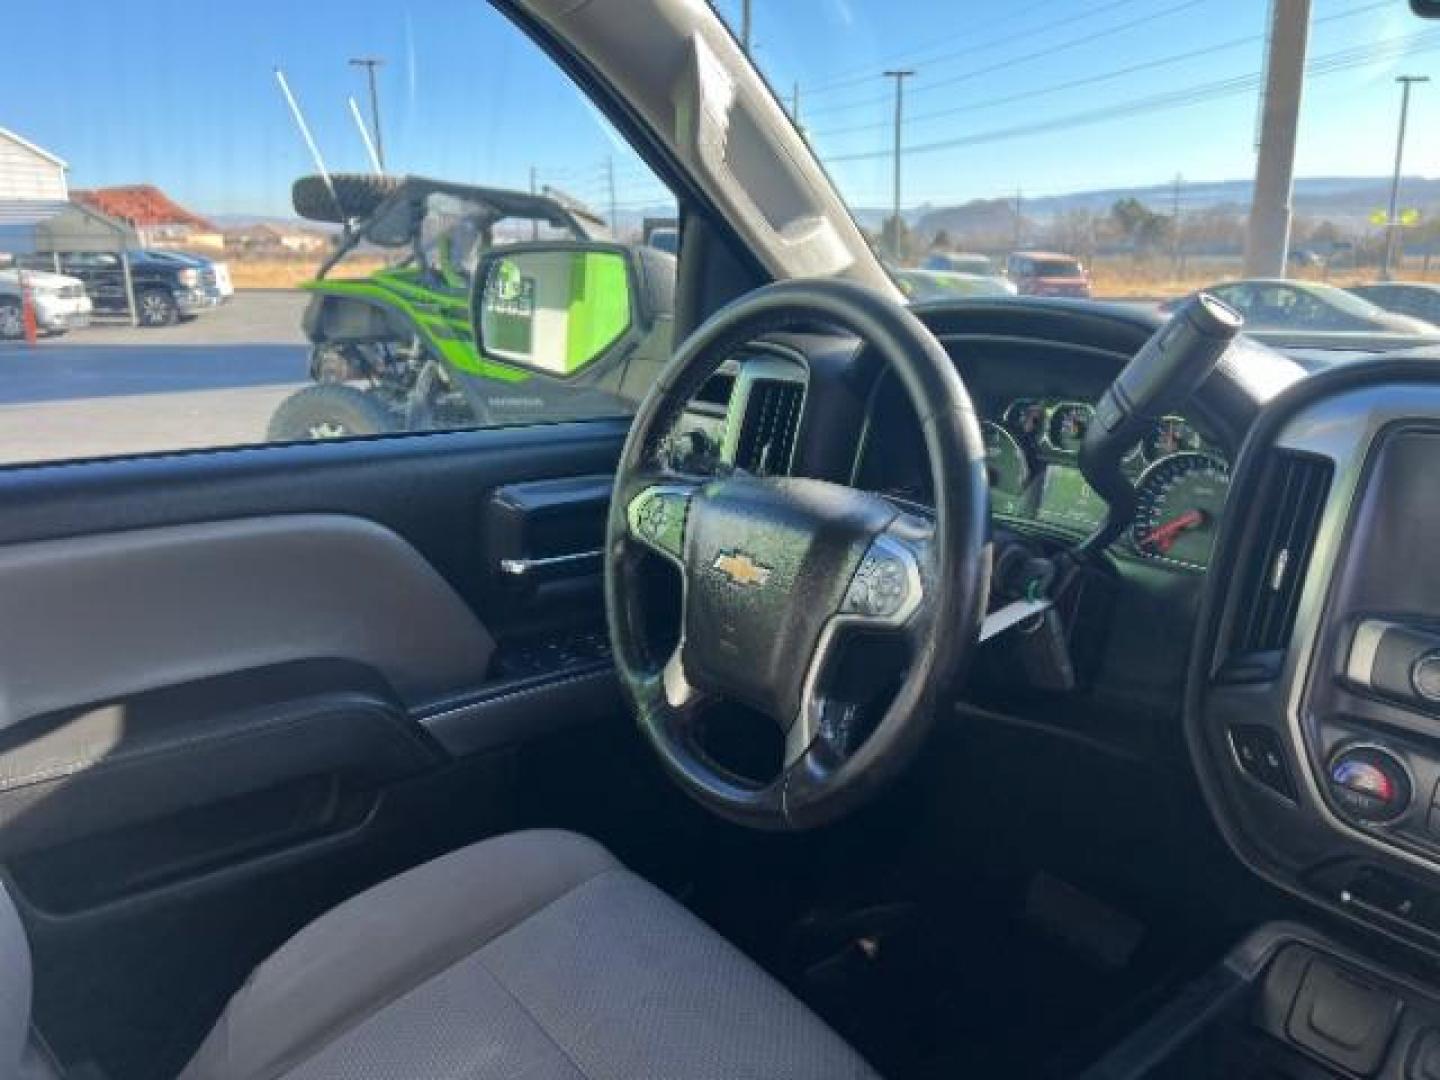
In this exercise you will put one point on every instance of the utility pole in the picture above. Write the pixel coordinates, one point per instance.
(745, 26)
(899, 75)
(1019, 221)
(370, 63)
(795, 104)
(1392, 223)
(1176, 252)
(610, 182)
(1267, 240)
(534, 190)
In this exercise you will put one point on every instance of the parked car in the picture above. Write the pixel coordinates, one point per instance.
(666, 238)
(214, 276)
(1417, 299)
(922, 285)
(60, 302)
(1279, 304)
(1047, 273)
(977, 267)
(165, 290)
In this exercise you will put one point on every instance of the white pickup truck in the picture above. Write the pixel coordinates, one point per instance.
(60, 302)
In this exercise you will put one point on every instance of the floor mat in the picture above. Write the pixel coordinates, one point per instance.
(1020, 990)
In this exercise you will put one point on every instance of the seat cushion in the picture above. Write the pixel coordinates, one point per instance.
(528, 957)
(14, 987)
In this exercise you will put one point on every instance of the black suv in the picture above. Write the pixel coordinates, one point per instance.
(165, 290)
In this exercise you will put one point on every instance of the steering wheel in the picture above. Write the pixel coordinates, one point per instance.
(778, 573)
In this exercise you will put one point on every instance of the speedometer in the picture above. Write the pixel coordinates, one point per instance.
(1179, 501)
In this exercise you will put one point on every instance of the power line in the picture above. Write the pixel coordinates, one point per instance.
(1343, 60)
(867, 74)
(1090, 80)
(1037, 54)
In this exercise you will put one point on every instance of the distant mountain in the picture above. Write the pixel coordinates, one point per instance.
(1347, 200)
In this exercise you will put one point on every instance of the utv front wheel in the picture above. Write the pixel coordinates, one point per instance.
(330, 411)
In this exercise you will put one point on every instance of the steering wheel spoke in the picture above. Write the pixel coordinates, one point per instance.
(887, 594)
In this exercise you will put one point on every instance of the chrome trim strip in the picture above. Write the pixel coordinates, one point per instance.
(1344, 429)
(1364, 647)
(522, 567)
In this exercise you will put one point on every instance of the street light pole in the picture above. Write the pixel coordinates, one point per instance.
(370, 63)
(899, 75)
(1392, 225)
(745, 26)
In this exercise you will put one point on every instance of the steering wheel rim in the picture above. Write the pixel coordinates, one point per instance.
(835, 557)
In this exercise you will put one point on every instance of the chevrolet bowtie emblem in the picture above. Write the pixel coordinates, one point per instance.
(741, 569)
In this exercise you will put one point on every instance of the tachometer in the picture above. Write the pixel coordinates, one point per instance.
(1006, 466)
(1068, 423)
(1178, 506)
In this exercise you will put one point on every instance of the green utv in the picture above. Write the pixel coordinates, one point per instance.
(587, 319)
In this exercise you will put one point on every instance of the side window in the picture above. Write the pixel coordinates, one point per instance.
(220, 284)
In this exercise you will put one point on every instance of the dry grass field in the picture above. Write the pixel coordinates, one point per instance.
(278, 272)
(1111, 277)
(1122, 277)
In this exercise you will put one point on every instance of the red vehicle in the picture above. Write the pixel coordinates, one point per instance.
(1047, 273)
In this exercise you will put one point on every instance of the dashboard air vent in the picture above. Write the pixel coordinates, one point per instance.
(772, 420)
(1272, 574)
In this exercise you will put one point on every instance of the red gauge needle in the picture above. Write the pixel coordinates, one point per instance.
(1163, 537)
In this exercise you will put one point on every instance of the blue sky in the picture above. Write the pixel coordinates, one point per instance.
(191, 104)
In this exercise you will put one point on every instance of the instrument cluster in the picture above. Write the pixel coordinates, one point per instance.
(1032, 449)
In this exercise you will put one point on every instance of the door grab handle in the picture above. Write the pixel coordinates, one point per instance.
(526, 567)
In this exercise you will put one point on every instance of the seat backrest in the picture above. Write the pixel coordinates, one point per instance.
(15, 987)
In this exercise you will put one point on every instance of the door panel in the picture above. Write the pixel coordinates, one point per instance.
(158, 607)
(238, 686)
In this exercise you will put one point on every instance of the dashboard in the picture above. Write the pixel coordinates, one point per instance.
(1300, 676)
(1032, 446)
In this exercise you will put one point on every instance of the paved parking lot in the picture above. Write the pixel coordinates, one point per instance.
(114, 389)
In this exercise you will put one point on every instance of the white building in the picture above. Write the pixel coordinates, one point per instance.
(33, 189)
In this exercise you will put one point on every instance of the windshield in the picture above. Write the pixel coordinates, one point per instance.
(1126, 137)
(1054, 268)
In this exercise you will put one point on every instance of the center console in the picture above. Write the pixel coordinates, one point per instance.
(1313, 718)
(1288, 1004)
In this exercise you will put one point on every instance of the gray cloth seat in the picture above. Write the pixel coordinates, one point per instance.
(534, 956)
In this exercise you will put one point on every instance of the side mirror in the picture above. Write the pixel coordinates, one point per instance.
(554, 309)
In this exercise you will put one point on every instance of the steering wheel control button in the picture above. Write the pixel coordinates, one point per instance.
(1259, 754)
(657, 518)
(882, 587)
(1369, 784)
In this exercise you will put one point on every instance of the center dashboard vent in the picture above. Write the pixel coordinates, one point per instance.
(1272, 572)
(770, 426)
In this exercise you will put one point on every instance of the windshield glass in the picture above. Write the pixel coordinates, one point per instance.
(1124, 136)
(1055, 267)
